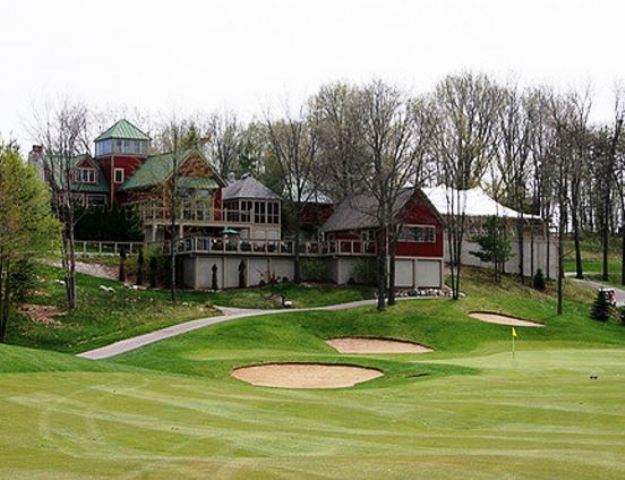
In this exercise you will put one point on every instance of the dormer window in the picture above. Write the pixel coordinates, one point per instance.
(86, 175)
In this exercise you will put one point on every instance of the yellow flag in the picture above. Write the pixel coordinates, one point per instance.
(513, 332)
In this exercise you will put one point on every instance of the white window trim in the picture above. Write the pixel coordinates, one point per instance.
(433, 227)
(115, 175)
(79, 175)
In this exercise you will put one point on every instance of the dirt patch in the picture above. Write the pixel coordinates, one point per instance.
(305, 375)
(501, 319)
(94, 269)
(42, 314)
(375, 345)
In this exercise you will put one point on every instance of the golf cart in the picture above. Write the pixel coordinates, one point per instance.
(610, 295)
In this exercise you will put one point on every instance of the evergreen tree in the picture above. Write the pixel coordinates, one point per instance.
(539, 280)
(601, 308)
(495, 247)
(27, 227)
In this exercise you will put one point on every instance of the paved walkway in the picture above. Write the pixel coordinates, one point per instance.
(229, 314)
(620, 293)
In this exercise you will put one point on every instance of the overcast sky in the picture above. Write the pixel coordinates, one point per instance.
(245, 55)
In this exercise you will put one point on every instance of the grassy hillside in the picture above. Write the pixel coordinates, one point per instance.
(467, 410)
(592, 255)
(104, 317)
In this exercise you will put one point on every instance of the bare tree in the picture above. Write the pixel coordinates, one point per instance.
(293, 142)
(394, 133)
(336, 113)
(562, 115)
(615, 174)
(580, 105)
(464, 143)
(223, 132)
(513, 159)
(62, 130)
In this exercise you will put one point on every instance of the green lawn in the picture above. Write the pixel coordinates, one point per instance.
(467, 410)
(302, 296)
(102, 318)
(592, 255)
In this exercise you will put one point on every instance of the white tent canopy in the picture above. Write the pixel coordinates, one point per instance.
(476, 202)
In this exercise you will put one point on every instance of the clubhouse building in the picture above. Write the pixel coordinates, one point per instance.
(231, 233)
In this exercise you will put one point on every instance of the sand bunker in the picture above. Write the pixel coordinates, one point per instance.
(305, 375)
(503, 319)
(375, 345)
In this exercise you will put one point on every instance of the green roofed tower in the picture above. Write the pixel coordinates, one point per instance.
(120, 150)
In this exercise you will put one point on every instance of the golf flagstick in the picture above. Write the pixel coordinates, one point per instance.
(513, 346)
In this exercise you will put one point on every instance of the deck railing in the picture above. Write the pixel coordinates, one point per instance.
(103, 247)
(194, 245)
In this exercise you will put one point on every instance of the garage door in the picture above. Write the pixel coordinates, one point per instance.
(428, 273)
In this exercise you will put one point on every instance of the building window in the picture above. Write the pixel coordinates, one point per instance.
(104, 147)
(96, 200)
(86, 175)
(273, 213)
(119, 175)
(260, 212)
(419, 234)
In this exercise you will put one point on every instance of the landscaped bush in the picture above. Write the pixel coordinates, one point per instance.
(315, 270)
(539, 280)
(365, 271)
(23, 280)
(601, 308)
(116, 224)
(140, 264)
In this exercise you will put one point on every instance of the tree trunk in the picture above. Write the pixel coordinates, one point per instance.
(532, 253)
(520, 240)
(579, 270)
(605, 234)
(548, 260)
(381, 271)
(391, 276)
(172, 256)
(297, 264)
(623, 248)
(561, 265)
(2, 329)
(4, 310)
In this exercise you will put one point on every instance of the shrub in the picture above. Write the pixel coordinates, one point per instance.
(140, 263)
(23, 280)
(365, 271)
(539, 280)
(315, 270)
(122, 265)
(153, 271)
(621, 314)
(601, 308)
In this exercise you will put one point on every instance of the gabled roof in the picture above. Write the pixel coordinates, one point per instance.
(477, 203)
(122, 129)
(157, 169)
(248, 187)
(101, 185)
(360, 211)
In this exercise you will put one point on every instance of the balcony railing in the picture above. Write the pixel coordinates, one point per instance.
(201, 214)
(274, 247)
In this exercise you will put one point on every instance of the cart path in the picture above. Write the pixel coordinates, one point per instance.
(620, 293)
(228, 314)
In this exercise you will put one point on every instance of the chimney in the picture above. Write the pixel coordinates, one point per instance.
(231, 177)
